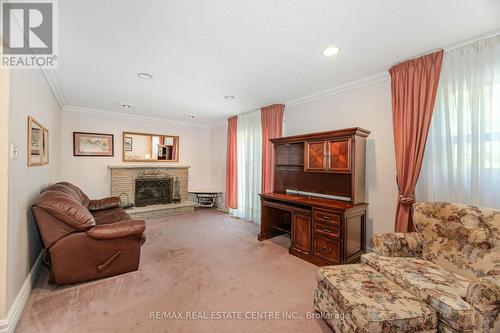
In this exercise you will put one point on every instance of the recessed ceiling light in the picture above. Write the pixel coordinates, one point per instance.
(331, 51)
(126, 105)
(190, 115)
(229, 97)
(145, 76)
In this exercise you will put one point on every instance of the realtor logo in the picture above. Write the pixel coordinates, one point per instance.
(28, 34)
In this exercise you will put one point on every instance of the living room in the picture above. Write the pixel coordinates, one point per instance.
(250, 166)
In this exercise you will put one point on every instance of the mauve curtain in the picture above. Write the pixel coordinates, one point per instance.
(272, 127)
(414, 86)
(231, 164)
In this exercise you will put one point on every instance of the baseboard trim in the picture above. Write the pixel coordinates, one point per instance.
(8, 324)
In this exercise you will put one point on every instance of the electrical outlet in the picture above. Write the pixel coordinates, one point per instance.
(14, 152)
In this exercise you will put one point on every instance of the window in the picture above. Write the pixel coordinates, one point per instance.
(462, 157)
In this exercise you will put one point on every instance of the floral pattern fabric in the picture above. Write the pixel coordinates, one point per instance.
(463, 239)
(484, 293)
(398, 244)
(357, 298)
(445, 291)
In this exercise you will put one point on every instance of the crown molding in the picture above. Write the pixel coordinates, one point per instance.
(55, 87)
(218, 124)
(356, 84)
(78, 109)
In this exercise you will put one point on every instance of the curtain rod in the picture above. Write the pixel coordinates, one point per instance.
(457, 45)
(472, 40)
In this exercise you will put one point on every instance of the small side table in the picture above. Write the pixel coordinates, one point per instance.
(207, 198)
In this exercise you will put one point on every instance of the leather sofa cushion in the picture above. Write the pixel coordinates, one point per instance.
(110, 216)
(118, 230)
(72, 190)
(106, 203)
(65, 208)
(83, 197)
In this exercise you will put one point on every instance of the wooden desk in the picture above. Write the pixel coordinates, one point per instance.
(331, 164)
(323, 231)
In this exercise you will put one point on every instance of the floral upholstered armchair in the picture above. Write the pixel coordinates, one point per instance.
(452, 262)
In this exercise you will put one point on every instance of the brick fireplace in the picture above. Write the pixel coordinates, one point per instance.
(167, 183)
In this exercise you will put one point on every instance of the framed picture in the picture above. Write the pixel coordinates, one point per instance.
(93, 144)
(35, 142)
(45, 145)
(128, 143)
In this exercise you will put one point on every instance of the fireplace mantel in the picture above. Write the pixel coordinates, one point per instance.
(148, 166)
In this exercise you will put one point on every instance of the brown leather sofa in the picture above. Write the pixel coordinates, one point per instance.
(86, 239)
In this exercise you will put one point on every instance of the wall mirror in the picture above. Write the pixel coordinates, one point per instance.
(35, 143)
(144, 147)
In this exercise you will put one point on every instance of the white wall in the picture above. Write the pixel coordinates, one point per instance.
(4, 188)
(367, 107)
(92, 175)
(30, 95)
(218, 147)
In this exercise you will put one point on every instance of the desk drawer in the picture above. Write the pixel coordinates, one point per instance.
(327, 248)
(325, 215)
(327, 229)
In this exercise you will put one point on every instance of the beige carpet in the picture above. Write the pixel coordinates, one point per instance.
(193, 264)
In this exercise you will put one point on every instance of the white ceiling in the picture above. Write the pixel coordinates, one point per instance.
(261, 51)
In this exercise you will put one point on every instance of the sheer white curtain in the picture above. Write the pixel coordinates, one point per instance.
(249, 153)
(462, 156)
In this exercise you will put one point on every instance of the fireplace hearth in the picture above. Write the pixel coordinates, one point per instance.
(154, 190)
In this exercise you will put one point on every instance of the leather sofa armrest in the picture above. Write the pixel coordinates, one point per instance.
(484, 293)
(122, 229)
(398, 244)
(106, 203)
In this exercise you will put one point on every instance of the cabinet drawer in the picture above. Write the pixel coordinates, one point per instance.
(326, 248)
(326, 215)
(327, 229)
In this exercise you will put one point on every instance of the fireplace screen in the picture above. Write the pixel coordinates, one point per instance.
(151, 191)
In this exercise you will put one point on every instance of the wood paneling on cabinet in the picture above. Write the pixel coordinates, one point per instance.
(301, 232)
(315, 156)
(338, 155)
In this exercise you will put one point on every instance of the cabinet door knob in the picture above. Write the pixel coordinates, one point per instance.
(326, 250)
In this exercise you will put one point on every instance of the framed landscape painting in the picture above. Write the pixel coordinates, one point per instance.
(93, 144)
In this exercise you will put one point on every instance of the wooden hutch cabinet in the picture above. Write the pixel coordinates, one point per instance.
(319, 196)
